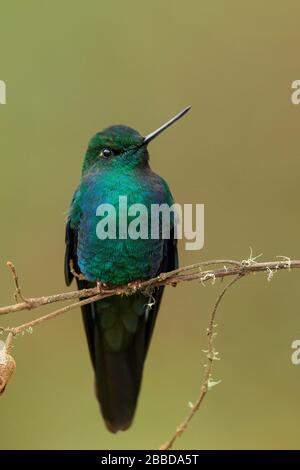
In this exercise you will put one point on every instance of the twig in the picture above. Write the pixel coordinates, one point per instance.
(184, 274)
(67, 308)
(206, 383)
(18, 292)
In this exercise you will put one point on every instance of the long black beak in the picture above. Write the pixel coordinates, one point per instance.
(154, 134)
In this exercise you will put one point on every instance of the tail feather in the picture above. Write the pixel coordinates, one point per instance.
(118, 331)
(118, 379)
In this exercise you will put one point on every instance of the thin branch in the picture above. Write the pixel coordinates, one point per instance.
(207, 383)
(184, 274)
(18, 292)
(35, 302)
(67, 308)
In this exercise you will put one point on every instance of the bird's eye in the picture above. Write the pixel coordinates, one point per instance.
(106, 153)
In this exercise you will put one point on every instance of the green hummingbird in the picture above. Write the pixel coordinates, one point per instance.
(118, 328)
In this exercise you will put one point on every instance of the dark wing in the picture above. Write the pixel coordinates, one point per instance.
(70, 253)
(87, 310)
(169, 263)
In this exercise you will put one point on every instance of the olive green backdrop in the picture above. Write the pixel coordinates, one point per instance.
(74, 67)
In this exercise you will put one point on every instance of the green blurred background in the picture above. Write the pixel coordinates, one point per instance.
(74, 67)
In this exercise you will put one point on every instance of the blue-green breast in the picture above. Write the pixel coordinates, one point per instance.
(117, 261)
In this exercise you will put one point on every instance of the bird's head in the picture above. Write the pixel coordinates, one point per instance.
(121, 147)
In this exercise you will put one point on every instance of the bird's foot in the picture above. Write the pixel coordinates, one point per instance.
(102, 286)
(134, 285)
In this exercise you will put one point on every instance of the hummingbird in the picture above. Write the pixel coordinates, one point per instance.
(118, 328)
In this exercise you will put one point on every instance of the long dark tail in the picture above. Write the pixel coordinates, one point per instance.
(119, 330)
